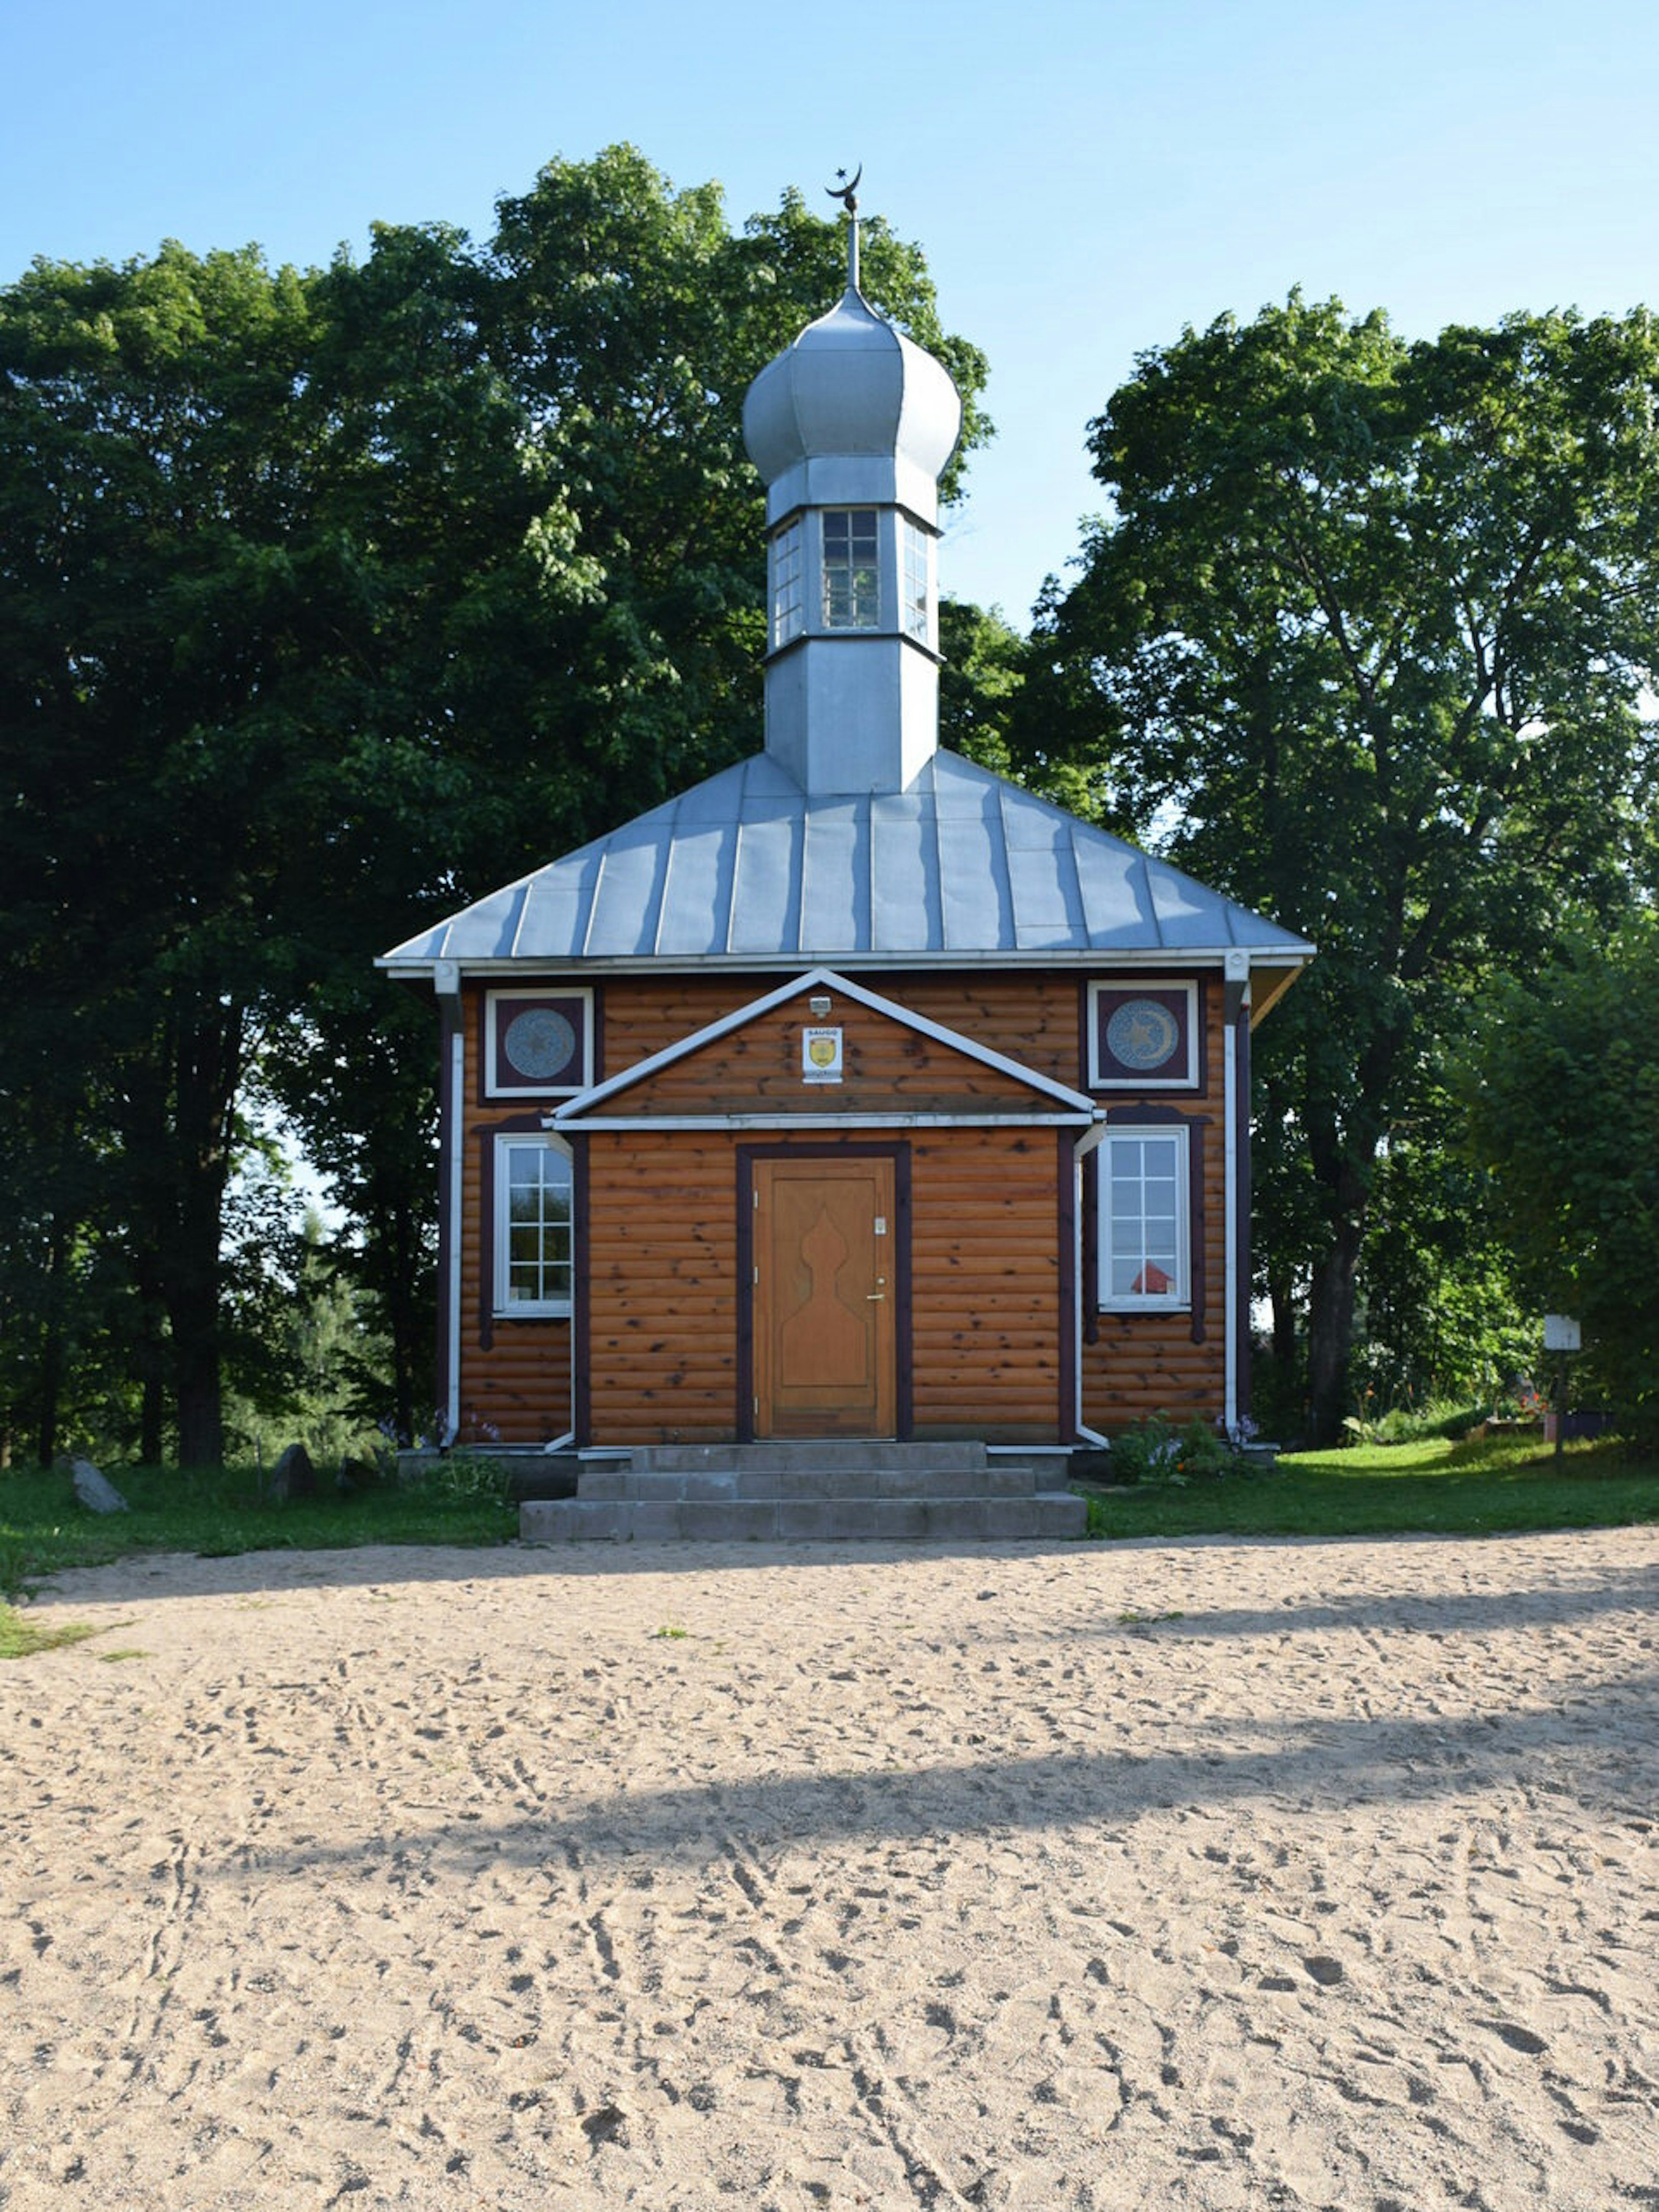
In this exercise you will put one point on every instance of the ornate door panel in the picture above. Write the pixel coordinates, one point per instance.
(824, 1298)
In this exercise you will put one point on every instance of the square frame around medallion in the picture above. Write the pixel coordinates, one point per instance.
(1146, 1034)
(537, 1043)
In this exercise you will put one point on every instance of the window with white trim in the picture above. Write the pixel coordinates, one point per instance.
(918, 581)
(851, 590)
(533, 1227)
(788, 583)
(1145, 1233)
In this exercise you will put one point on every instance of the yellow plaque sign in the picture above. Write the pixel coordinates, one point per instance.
(820, 1055)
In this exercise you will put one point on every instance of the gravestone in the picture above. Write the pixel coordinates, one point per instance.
(93, 1491)
(292, 1476)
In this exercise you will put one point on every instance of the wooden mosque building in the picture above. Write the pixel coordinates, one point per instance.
(855, 1110)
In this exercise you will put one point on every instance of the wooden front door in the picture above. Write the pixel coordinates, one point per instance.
(824, 1296)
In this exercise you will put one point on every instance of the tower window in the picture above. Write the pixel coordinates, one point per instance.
(789, 584)
(850, 592)
(918, 599)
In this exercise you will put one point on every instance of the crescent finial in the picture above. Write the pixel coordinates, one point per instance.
(847, 194)
(844, 191)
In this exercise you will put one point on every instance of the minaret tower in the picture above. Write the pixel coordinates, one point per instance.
(850, 426)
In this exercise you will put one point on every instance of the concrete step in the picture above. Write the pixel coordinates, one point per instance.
(1038, 1517)
(808, 1454)
(727, 1483)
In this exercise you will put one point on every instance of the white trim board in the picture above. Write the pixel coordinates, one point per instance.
(832, 1124)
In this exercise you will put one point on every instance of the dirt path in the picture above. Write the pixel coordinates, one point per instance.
(1196, 1875)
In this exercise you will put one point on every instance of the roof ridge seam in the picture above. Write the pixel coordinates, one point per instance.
(668, 870)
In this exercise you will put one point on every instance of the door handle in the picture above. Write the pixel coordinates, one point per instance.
(871, 1297)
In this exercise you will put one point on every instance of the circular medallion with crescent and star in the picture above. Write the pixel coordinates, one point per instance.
(1142, 1035)
(539, 1044)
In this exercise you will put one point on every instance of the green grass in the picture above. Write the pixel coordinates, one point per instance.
(43, 1529)
(20, 1636)
(1476, 1488)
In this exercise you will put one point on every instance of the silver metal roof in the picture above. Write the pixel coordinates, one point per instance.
(748, 869)
(852, 411)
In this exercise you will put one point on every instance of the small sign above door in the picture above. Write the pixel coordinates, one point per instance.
(820, 1055)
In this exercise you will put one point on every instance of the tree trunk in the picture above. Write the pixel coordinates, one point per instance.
(152, 1420)
(1343, 1151)
(51, 1373)
(149, 1355)
(1330, 1331)
(206, 1067)
(1281, 1295)
(197, 1388)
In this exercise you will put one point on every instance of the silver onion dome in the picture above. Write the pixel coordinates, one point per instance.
(852, 413)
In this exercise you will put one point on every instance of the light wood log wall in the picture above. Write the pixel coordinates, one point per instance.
(662, 1272)
(663, 1363)
(1145, 1363)
(885, 1064)
(985, 1285)
(664, 1293)
(1030, 1017)
(516, 1390)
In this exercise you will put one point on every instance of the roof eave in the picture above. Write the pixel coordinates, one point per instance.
(1293, 956)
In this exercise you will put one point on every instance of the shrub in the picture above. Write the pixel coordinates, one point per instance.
(1155, 1450)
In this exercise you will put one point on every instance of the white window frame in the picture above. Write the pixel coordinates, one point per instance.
(863, 616)
(789, 583)
(1179, 1297)
(500, 1007)
(507, 1307)
(917, 570)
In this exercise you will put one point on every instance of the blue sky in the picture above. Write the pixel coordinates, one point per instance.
(1083, 180)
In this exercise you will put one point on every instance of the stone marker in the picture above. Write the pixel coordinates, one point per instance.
(292, 1476)
(93, 1491)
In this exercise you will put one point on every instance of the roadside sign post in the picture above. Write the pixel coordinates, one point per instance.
(1561, 1336)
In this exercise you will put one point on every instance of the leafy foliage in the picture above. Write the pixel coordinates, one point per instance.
(1562, 1090)
(1155, 1450)
(328, 601)
(1363, 638)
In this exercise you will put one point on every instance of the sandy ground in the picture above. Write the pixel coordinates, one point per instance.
(1202, 1873)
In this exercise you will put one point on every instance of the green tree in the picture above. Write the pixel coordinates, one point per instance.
(1562, 1098)
(154, 469)
(980, 683)
(328, 602)
(557, 553)
(1362, 640)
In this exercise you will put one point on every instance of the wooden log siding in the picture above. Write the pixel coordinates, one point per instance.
(887, 1067)
(1140, 1364)
(965, 1347)
(1036, 1017)
(985, 1351)
(515, 1374)
(986, 1286)
(662, 1310)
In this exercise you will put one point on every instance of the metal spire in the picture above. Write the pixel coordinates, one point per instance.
(847, 194)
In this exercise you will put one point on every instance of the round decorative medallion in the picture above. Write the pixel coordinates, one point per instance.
(539, 1044)
(1142, 1034)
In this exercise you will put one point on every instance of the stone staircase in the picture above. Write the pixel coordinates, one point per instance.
(843, 1492)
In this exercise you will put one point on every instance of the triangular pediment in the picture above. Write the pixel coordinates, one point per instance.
(823, 1047)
